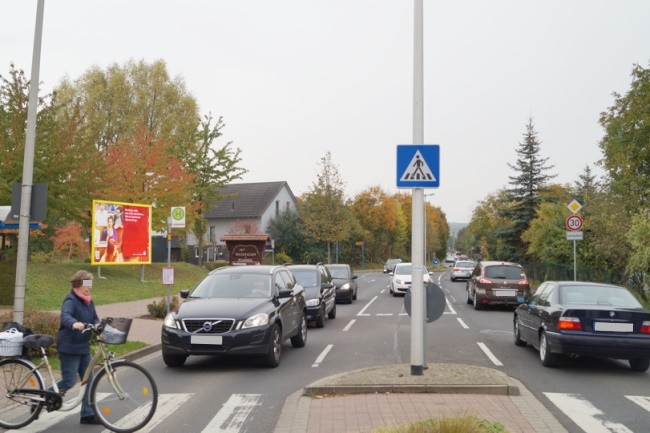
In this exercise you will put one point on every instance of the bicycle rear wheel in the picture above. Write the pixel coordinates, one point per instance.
(18, 409)
(125, 398)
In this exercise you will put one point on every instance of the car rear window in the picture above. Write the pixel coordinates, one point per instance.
(505, 272)
(598, 295)
(465, 264)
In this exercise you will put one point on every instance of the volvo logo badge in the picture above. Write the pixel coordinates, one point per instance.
(207, 326)
(612, 314)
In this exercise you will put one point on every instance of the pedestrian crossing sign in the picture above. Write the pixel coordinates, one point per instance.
(418, 166)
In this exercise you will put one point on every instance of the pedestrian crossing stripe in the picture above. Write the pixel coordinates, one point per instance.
(418, 169)
(418, 166)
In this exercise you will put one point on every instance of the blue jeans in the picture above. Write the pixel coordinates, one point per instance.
(71, 366)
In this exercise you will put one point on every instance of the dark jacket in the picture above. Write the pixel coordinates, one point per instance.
(70, 340)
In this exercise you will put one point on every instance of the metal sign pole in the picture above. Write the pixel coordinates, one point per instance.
(575, 271)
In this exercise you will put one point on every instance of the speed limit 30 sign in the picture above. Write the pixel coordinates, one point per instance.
(574, 222)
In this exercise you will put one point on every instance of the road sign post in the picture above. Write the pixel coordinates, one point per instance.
(574, 223)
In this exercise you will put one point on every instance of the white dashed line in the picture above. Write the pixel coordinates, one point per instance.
(361, 313)
(462, 323)
(489, 354)
(322, 355)
(349, 325)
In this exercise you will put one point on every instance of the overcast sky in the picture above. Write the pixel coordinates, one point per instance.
(294, 79)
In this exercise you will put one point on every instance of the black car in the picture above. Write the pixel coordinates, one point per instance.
(320, 291)
(389, 266)
(576, 318)
(345, 281)
(238, 310)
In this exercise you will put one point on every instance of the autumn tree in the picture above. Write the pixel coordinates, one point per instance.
(324, 212)
(525, 193)
(382, 217)
(145, 170)
(213, 167)
(69, 243)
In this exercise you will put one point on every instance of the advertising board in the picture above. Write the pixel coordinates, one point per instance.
(121, 233)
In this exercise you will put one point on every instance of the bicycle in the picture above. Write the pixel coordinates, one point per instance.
(123, 394)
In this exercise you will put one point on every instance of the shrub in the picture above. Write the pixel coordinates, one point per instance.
(40, 322)
(159, 309)
(211, 266)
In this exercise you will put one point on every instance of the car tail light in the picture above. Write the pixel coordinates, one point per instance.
(484, 281)
(569, 324)
(456, 269)
(645, 327)
(524, 281)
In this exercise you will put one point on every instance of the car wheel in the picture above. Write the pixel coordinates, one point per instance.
(174, 361)
(332, 313)
(453, 279)
(639, 365)
(469, 300)
(300, 338)
(354, 297)
(518, 340)
(548, 359)
(477, 304)
(272, 358)
(320, 319)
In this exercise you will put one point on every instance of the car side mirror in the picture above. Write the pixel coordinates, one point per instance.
(285, 293)
(354, 277)
(184, 294)
(326, 286)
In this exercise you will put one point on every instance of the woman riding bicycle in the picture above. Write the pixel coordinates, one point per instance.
(73, 345)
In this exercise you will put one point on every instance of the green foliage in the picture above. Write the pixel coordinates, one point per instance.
(461, 424)
(525, 193)
(211, 266)
(44, 257)
(159, 309)
(626, 144)
(287, 230)
(281, 258)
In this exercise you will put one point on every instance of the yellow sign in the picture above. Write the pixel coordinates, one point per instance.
(359, 243)
(574, 206)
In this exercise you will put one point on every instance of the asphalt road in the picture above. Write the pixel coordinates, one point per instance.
(239, 395)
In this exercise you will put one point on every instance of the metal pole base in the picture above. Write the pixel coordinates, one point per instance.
(417, 370)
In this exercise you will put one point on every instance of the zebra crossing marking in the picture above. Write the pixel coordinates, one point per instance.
(232, 417)
(587, 416)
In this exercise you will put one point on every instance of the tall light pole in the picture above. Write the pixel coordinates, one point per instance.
(28, 171)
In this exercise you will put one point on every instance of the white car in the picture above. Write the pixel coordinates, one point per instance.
(462, 269)
(400, 278)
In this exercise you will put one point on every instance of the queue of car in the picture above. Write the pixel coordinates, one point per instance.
(252, 310)
(563, 319)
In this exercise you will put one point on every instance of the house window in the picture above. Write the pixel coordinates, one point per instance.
(277, 207)
(213, 234)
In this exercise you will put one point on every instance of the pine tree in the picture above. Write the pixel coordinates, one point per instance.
(525, 193)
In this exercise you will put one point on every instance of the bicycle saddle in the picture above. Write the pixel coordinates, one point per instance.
(35, 341)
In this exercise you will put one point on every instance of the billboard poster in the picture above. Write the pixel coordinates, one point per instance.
(121, 233)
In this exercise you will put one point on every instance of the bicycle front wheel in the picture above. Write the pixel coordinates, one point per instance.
(19, 406)
(124, 397)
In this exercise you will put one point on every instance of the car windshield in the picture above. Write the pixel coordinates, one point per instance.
(598, 295)
(306, 277)
(403, 270)
(235, 285)
(504, 272)
(339, 272)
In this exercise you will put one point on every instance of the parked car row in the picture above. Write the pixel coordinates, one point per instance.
(252, 310)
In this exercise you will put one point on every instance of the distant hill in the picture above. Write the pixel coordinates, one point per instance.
(454, 228)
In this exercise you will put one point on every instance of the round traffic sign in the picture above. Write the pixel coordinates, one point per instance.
(574, 222)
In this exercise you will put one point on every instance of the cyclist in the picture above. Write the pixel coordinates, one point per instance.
(73, 345)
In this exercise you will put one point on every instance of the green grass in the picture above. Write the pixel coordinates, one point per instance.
(47, 283)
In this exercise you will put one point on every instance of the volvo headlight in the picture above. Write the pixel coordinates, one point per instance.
(313, 302)
(170, 322)
(345, 286)
(256, 320)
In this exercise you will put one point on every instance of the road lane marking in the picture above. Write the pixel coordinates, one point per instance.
(349, 325)
(167, 404)
(232, 416)
(450, 307)
(587, 416)
(489, 354)
(462, 323)
(360, 313)
(322, 355)
(641, 400)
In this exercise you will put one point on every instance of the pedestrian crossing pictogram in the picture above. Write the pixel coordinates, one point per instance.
(418, 169)
(418, 166)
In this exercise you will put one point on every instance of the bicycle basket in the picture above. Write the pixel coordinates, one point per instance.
(116, 330)
(11, 342)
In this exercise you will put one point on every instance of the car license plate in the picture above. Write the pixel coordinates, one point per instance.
(613, 327)
(505, 293)
(206, 339)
